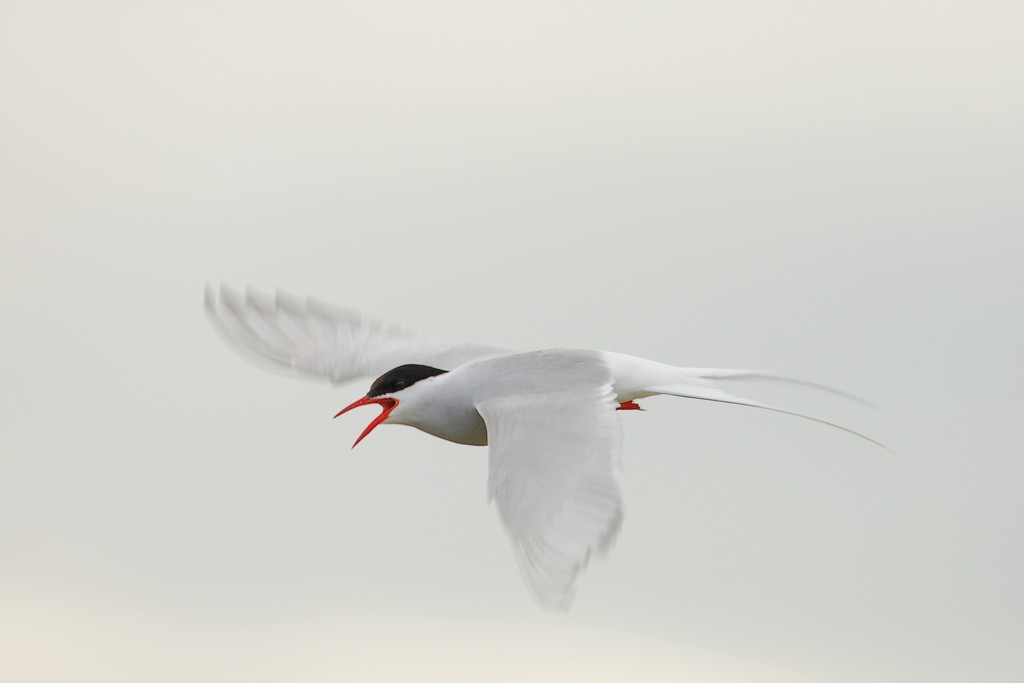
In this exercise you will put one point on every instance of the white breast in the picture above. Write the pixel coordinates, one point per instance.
(441, 406)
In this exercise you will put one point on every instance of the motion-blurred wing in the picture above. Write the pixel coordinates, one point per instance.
(555, 463)
(323, 341)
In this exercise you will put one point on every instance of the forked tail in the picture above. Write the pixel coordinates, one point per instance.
(703, 393)
(637, 378)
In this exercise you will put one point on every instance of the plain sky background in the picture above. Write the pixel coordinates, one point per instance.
(831, 190)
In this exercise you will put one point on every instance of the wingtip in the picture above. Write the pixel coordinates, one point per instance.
(209, 294)
(212, 297)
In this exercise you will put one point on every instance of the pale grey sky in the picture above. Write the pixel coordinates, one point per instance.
(829, 190)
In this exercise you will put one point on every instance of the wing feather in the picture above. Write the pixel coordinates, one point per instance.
(555, 474)
(317, 340)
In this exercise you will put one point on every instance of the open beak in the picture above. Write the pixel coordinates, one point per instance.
(388, 404)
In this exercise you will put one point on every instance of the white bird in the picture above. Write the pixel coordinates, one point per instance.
(548, 416)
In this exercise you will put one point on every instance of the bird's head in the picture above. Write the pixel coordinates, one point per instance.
(386, 391)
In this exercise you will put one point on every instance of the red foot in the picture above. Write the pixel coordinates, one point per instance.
(629, 405)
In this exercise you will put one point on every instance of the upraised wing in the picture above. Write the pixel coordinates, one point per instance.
(555, 464)
(326, 342)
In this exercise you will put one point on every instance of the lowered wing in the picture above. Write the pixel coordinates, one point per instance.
(555, 463)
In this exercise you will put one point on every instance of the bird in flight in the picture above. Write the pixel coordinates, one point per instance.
(549, 418)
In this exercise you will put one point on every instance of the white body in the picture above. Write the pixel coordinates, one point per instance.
(445, 405)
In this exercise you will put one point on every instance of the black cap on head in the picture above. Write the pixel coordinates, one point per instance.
(401, 377)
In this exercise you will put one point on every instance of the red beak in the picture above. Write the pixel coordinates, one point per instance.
(388, 404)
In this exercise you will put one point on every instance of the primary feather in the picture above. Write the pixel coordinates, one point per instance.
(327, 342)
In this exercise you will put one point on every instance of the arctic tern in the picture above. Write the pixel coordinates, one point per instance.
(549, 417)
